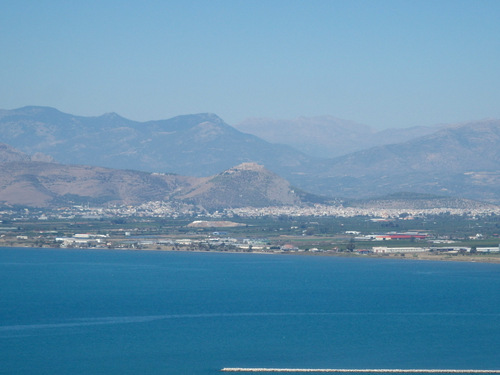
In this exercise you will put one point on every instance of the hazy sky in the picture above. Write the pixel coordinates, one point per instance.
(381, 63)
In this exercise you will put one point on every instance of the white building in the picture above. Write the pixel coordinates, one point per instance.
(385, 249)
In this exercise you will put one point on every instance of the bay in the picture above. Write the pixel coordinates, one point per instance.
(146, 312)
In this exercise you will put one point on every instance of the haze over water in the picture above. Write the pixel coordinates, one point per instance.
(125, 312)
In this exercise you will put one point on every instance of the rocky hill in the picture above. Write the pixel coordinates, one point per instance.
(248, 184)
(41, 184)
(10, 154)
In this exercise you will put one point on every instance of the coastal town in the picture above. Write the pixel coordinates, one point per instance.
(437, 233)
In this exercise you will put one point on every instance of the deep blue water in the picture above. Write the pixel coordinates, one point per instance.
(123, 312)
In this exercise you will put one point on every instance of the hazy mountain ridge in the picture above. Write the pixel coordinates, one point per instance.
(461, 160)
(200, 145)
(455, 149)
(328, 136)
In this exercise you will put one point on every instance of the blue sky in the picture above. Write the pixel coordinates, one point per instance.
(381, 63)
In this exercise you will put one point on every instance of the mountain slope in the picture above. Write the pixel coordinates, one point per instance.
(10, 154)
(199, 145)
(456, 149)
(327, 136)
(462, 161)
(41, 184)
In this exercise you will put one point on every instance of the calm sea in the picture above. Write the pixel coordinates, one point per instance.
(130, 312)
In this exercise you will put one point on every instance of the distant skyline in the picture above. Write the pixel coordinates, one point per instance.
(381, 63)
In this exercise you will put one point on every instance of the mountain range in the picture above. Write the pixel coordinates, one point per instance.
(461, 160)
(156, 157)
(195, 145)
(328, 136)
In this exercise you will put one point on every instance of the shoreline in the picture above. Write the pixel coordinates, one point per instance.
(396, 371)
(480, 258)
(413, 257)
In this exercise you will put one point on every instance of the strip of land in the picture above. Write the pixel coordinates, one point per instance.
(396, 371)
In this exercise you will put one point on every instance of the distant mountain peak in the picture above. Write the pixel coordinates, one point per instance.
(113, 118)
(210, 117)
(111, 115)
